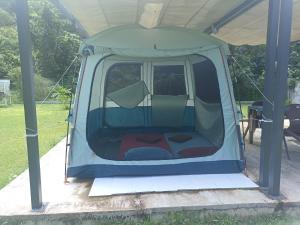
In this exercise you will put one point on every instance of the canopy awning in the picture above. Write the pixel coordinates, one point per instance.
(234, 21)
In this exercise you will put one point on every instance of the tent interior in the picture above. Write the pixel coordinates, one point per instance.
(155, 108)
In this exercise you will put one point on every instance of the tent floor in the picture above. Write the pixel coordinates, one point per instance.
(109, 148)
(61, 199)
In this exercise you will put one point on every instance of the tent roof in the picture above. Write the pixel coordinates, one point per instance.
(159, 41)
(234, 21)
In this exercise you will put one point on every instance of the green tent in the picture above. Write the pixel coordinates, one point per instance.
(154, 102)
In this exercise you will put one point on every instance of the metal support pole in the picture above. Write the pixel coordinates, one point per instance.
(29, 103)
(271, 52)
(280, 93)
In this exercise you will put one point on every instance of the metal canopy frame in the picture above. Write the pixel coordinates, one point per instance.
(277, 52)
(239, 10)
(279, 94)
(29, 103)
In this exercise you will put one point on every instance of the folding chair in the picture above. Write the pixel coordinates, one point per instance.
(292, 113)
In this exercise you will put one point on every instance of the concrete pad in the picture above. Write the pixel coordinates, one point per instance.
(62, 200)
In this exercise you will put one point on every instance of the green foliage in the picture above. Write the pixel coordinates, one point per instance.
(14, 74)
(294, 65)
(63, 95)
(9, 51)
(203, 218)
(55, 43)
(6, 18)
(42, 87)
(251, 61)
(55, 39)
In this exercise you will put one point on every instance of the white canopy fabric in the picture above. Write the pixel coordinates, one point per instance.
(249, 27)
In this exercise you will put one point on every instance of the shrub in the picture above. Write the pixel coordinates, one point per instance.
(62, 95)
(42, 86)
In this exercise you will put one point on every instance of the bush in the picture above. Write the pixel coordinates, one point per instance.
(42, 87)
(16, 97)
(62, 95)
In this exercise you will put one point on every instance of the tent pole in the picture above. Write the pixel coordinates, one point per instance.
(29, 103)
(270, 67)
(280, 93)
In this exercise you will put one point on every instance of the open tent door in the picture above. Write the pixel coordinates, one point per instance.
(132, 185)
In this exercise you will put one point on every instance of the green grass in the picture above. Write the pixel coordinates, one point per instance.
(13, 154)
(244, 109)
(186, 218)
(182, 218)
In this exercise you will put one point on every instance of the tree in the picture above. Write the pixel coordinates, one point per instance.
(55, 43)
(294, 65)
(251, 62)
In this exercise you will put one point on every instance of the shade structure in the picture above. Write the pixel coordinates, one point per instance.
(151, 17)
(233, 21)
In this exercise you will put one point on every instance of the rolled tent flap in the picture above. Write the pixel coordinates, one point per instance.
(168, 110)
(130, 96)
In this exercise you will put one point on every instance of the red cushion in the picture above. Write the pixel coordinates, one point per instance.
(130, 141)
(149, 139)
(197, 152)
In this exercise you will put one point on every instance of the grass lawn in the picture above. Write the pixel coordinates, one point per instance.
(13, 154)
(187, 218)
(179, 218)
(244, 110)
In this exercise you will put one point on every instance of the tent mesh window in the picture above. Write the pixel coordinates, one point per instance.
(208, 105)
(122, 75)
(169, 80)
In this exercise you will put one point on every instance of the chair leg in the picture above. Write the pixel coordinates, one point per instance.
(286, 148)
(246, 131)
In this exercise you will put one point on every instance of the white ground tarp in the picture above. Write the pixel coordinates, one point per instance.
(128, 185)
(248, 28)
